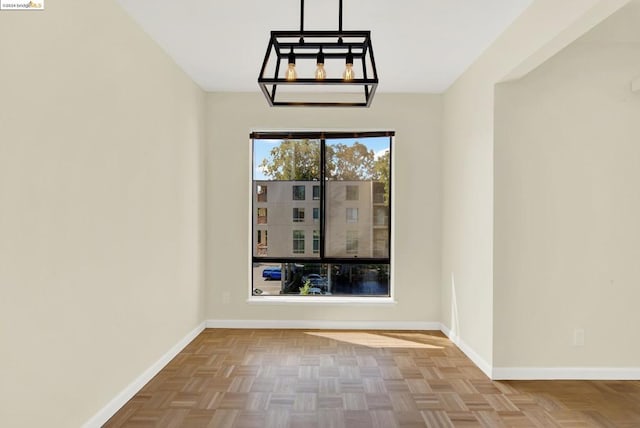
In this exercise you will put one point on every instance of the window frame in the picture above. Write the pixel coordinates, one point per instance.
(352, 219)
(303, 193)
(297, 215)
(322, 137)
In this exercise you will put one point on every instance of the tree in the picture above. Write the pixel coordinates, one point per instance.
(353, 162)
(382, 172)
(293, 160)
(300, 160)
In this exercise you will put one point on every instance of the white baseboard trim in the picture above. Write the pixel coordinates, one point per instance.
(325, 324)
(126, 394)
(566, 373)
(468, 351)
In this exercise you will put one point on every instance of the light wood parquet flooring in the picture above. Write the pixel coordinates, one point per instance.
(229, 378)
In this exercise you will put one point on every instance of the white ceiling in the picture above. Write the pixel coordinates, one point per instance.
(419, 45)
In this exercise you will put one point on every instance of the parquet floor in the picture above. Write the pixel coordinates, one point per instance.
(352, 379)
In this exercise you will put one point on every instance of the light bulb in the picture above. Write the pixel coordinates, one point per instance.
(291, 74)
(321, 73)
(349, 74)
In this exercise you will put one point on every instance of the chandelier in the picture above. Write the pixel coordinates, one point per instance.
(319, 68)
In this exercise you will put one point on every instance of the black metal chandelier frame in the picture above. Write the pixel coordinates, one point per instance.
(289, 46)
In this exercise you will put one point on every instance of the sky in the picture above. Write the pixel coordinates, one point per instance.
(262, 148)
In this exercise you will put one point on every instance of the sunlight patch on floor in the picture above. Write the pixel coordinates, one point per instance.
(371, 340)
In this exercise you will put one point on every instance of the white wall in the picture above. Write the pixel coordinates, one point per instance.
(567, 205)
(100, 201)
(416, 120)
(467, 162)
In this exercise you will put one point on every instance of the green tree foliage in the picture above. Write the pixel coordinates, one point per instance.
(293, 160)
(300, 160)
(382, 172)
(349, 163)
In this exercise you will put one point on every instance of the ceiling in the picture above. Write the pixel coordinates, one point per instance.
(420, 45)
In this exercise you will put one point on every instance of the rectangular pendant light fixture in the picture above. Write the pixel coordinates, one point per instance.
(319, 68)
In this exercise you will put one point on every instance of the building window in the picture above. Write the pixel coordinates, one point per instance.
(352, 215)
(261, 244)
(316, 242)
(298, 242)
(352, 193)
(298, 215)
(298, 193)
(349, 235)
(261, 191)
(378, 193)
(380, 217)
(262, 216)
(352, 242)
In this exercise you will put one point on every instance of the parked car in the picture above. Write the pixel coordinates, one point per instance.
(317, 281)
(272, 273)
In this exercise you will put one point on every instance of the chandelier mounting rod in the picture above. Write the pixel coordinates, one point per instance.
(302, 16)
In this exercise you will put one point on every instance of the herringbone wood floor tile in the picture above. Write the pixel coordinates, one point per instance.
(348, 379)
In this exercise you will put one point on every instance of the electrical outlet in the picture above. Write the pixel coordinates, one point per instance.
(226, 297)
(578, 337)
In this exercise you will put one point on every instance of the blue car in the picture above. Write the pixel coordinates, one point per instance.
(272, 273)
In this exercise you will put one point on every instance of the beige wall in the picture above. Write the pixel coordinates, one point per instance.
(467, 162)
(567, 205)
(416, 120)
(100, 202)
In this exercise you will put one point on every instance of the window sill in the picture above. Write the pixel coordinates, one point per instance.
(319, 300)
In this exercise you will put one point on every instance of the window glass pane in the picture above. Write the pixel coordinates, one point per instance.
(261, 191)
(262, 216)
(298, 193)
(352, 215)
(350, 192)
(322, 279)
(298, 215)
(357, 197)
(316, 241)
(298, 242)
(284, 172)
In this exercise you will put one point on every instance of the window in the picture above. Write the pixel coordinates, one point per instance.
(349, 175)
(261, 243)
(378, 193)
(316, 242)
(380, 217)
(262, 216)
(261, 191)
(352, 215)
(298, 215)
(352, 241)
(298, 193)
(298, 242)
(352, 193)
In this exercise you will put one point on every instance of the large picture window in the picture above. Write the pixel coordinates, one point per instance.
(343, 248)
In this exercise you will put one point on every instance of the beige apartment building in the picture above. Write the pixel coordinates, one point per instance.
(286, 219)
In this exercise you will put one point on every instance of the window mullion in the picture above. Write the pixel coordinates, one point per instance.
(322, 196)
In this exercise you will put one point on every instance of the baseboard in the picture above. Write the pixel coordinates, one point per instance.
(325, 324)
(566, 373)
(126, 394)
(469, 351)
